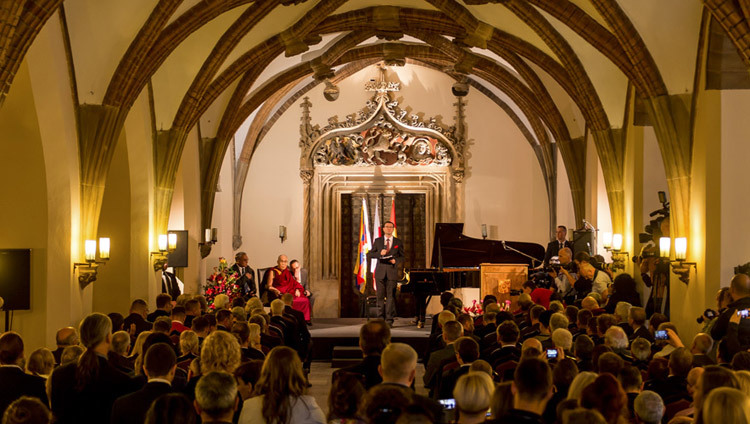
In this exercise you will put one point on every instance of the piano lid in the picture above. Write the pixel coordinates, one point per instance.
(458, 250)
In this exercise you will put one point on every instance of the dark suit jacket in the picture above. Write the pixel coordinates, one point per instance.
(156, 314)
(141, 324)
(94, 403)
(553, 248)
(435, 409)
(16, 383)
(246, 284)
(385, 267)
(449, 379)
(368, 368)
(132, 408)
(435, 363)
(642, 331)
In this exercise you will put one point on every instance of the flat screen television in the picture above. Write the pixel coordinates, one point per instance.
(15, 278)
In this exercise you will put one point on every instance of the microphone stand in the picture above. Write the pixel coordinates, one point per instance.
(506, 247)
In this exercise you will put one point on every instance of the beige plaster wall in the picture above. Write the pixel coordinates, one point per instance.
(23, 200)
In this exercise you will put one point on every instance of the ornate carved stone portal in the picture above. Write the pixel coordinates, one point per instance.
(380, 149)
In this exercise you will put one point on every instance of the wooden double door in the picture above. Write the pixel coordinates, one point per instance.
(410, 228)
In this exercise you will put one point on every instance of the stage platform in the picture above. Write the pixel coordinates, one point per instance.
(328, 333)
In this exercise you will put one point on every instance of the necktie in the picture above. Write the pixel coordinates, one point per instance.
(388, 244)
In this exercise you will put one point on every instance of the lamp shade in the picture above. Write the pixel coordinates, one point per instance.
(665, 244)
(172, 241)
(207, 235)
(104, 247)
(617, 242)
(162, 242)
(89, 247)
(607, 240)
(214, 235)
(680, 248)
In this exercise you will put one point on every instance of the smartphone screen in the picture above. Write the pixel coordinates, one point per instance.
(661, 335)
(448, 403)
(551, 353)
(743, 313)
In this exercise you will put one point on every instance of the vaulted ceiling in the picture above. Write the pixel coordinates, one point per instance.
(564, 70)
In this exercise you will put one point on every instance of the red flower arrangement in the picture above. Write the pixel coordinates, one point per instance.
(222, 281)
(475, 309)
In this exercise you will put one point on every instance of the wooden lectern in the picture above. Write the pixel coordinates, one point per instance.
(500, 279)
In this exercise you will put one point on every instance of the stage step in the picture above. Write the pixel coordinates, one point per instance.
(343, 356)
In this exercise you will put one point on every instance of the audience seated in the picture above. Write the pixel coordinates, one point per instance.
(648, 407)
(398, 367)
(281, 392)
(172, 408)
(726, 405)
(163, 307)
(473, 393)
(118, 351)
(14, 383)
(344, 398)
(67, 336)
(159, 366)
(26, 410)
(374, 336)
(467, 351)
(383, 404)
(452, 330)
(41, 362)
(532, 388)
(605, 395)
(216, 397)
(136, 323)
(85, 391)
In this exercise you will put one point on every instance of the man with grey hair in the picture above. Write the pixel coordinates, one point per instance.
(622, 312)
(452, 330)
(563, 339)
(246, 279)
(216, 397)
(558, 320)
(118, 351)
(398, 367)
(616, 339)
(640, 348)
(66, 336)
(648, 407)
(702, 345)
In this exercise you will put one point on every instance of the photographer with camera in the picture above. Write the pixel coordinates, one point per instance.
(739, 290)
(708, 319)
(564, 272)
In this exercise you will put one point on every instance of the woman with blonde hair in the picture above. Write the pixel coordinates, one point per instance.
(473, 393)
(221, 301)
(41, 362)
(726, 405)
(189, 349)
(281, 393)
(579, 383)
(220, 352)
(137, 354)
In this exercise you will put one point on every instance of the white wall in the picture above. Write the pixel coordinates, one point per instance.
(735, 190)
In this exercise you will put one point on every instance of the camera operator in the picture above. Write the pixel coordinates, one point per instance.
(739, 290)
(708, 319)
(564, 273)
(655, 274)
(600, 281)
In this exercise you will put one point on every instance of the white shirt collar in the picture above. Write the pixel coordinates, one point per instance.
(11, 366)
(159, 380)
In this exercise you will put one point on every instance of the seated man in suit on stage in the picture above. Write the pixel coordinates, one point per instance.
(374, 336)
(300, 274)
(246, 281)
(553, 247)
(281, 280)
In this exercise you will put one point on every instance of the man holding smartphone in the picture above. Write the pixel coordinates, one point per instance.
(739, 290)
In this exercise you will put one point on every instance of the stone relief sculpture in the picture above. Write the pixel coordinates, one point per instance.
(381, 134)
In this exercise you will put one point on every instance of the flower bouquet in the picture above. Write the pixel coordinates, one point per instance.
(475, 309)
(222, 281)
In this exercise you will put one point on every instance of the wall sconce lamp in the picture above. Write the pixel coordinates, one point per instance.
(282, 233)
(87, 271)
(679, 266)
(613, 243)
(210, 237)
(166, 243)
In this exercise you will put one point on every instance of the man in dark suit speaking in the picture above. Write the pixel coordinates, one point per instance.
(553, 248)
(389, 252)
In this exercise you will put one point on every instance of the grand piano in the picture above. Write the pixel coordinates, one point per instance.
(456, 260)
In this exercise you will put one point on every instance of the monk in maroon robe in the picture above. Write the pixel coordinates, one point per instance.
(281, 280)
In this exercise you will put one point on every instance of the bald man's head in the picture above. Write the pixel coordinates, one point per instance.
(66, 336)
(282, 261)
(532, 342)
(740, 286)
